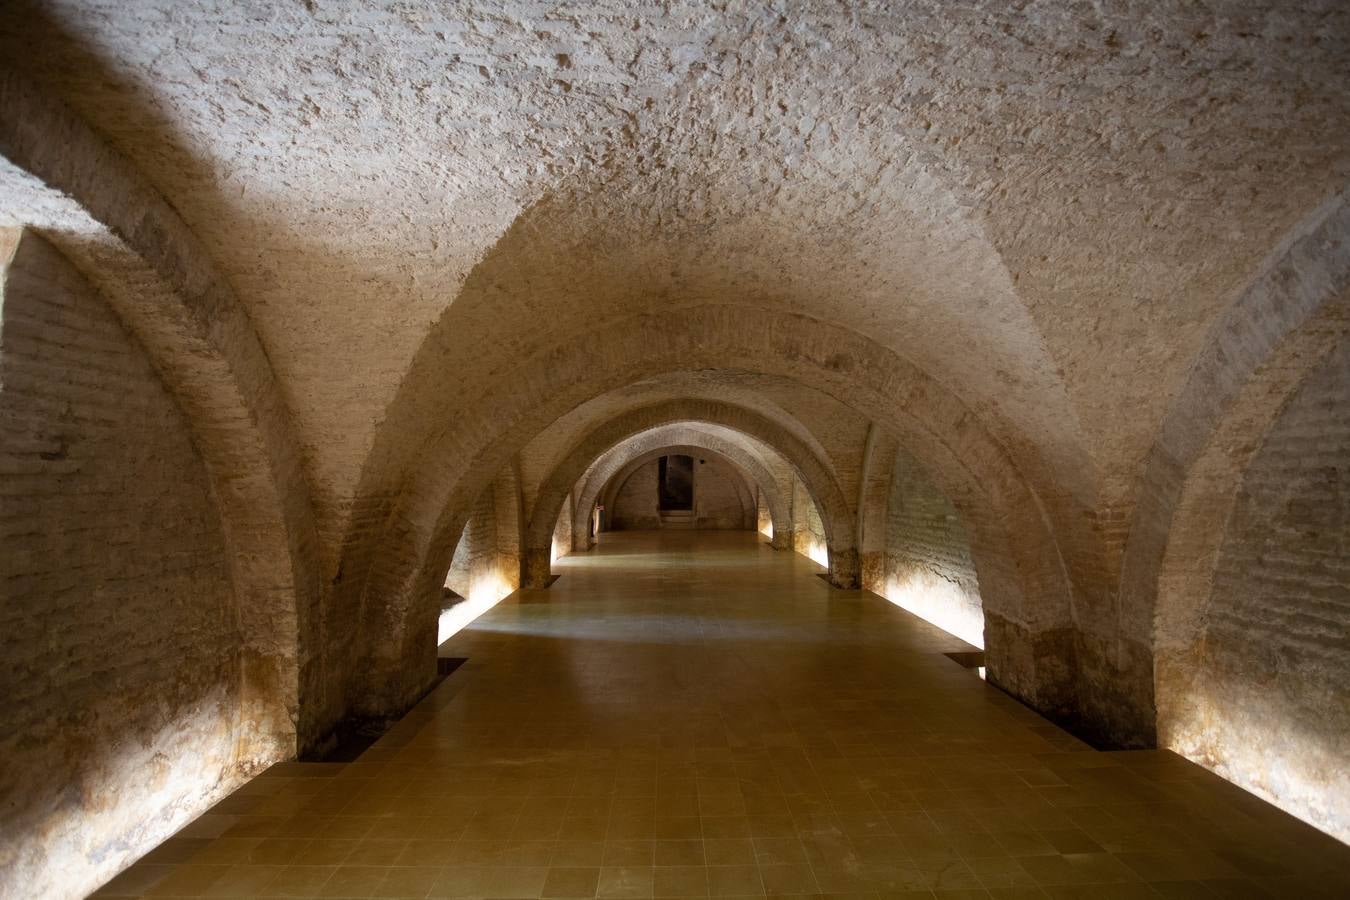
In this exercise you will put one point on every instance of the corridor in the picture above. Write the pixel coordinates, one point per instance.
(694, 714)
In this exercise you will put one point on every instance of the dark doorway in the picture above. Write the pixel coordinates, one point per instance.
(676, 482)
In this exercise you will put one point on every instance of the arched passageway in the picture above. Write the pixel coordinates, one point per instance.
(674, 687)
(719, 494)
(1027, 319)
(770, 474)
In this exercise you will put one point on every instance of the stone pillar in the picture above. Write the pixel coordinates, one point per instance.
(782, 540)
(844, 568)
(581, 541)
(535, 568)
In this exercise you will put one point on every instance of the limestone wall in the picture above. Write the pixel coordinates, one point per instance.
(119, 645)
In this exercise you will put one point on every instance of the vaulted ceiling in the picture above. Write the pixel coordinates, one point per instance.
(1042, 207)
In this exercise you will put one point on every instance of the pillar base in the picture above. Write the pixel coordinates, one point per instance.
(536, 569)
(844, 569)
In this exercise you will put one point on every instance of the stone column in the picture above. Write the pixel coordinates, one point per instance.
(535, 568)
(844, 568)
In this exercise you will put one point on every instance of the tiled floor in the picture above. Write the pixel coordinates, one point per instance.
(698, 716)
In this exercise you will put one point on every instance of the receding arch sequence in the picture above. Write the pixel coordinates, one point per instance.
(835, 509)
(626, 455)
(1024, 578)
(616, 492)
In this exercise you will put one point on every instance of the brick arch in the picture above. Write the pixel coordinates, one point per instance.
(622, 458)
(61, 179)
(393, 560)
(741, 482)
(816, 474)
(1277, 331)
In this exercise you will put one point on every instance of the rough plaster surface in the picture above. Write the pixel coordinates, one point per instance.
(119, 642)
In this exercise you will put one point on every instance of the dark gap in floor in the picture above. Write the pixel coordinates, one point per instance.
(525, 597)
(970, 659)
(447, 664)
(354, 736)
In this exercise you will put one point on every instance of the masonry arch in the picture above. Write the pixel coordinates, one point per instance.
(487, 555)
(1287, 323)
(743, 486)
(1024, 579)
(1290, 316)
(62, 180)
(836, 513)
(620, 460)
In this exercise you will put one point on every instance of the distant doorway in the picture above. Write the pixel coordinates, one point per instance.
(675, 480)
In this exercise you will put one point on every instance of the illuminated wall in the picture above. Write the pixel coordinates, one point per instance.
(721, 499)
(486, 564)
(928, 569)
(562, 530)
(763, 516)
(121, 668)
(808, 533)
(1262, 693)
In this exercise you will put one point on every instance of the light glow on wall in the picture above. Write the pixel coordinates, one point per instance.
(938, 602)
(1249, 740)
(767, 530)
(818, 553)
(486, 593)
(150, 786)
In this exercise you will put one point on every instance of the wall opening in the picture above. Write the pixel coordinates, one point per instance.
(639, 498)
(675, 482)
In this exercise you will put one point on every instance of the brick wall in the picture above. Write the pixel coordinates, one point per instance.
(1269, 707)
(476, 554)
(562, 528)
(120, 672)
(808, 532)
(718, 504)
(721, 499)
(635, 504)
(928, 567)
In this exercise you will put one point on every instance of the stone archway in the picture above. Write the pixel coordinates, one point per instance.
(62, 179)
